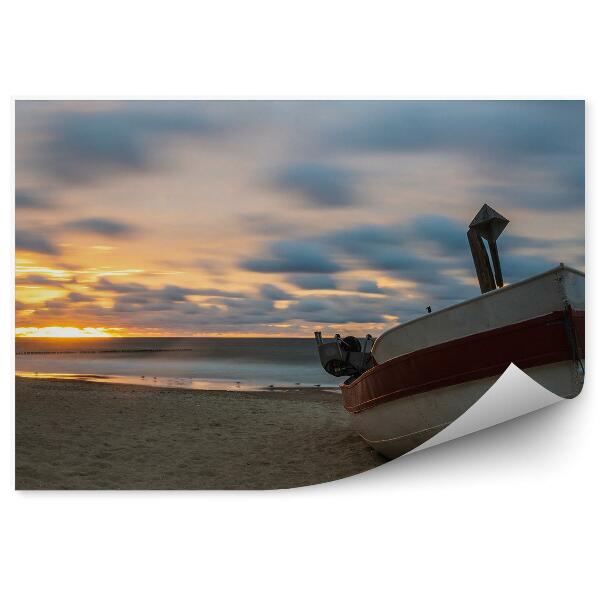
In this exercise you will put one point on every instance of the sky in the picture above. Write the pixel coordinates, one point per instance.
(278, 218)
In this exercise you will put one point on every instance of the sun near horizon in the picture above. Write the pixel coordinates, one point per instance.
(59, 332)
(65, 332)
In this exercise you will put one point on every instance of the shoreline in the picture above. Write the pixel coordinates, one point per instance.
(208, 385)
(74, 434)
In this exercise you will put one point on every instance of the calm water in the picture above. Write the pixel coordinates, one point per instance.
(208, 363)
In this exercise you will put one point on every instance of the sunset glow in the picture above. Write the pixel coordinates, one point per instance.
(65, 332)
(280, 218)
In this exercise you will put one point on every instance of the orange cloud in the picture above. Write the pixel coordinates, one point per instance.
(66, 332)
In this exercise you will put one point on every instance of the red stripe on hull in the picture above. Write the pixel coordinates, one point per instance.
(539, 341)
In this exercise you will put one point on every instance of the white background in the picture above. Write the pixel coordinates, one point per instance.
(507, 513)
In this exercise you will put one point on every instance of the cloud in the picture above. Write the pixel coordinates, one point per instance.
(272, 292)
(41, 280)
(33, 241)
(517, 266)
(368, 287)
(175, 293)
(498, 128)
(446, 291)
(397, 157)
(311, 305)
(319, 185)
(105, 285)
(132, 298)
(556, 189)
(137, 294)
(390, 248)
(355, 239)
(57, 306)
(448, 234)
(533, 153)
(520, 242)
(265, 224)
(438, 274)
(104, 227)
(84, 145)
(317, 281)
(385, 248)
(293, 257)
(251, 306)
(77, 297)
(31, 200)
(339, 309)
(404, 264)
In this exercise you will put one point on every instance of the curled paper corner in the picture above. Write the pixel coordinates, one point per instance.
(514, 394)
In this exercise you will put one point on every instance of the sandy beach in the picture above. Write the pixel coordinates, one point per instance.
(82, 435)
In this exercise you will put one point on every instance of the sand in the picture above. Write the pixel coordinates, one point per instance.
(82, 435)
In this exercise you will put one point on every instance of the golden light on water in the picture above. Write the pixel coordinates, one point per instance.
(66, 332)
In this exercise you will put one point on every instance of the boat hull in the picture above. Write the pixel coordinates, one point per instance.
(396, 427)
(436, 367)
(545, 293)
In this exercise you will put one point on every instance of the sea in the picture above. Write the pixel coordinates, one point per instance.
(201, 363)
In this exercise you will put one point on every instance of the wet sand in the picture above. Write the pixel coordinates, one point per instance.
(82, 435)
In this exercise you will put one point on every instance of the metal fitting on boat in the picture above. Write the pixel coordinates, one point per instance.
(345, 357)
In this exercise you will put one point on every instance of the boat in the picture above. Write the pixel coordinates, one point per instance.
(418, 377)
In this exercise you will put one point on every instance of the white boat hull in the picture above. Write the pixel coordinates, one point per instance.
(539, 295)
(397, 427)
(431, 370)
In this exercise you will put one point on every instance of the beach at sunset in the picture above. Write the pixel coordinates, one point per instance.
(296, 301)
(237, 294)
(81, 435)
